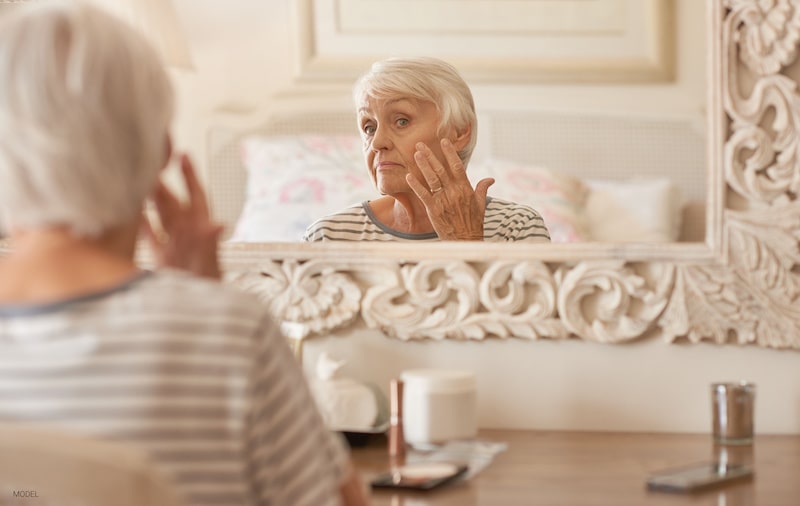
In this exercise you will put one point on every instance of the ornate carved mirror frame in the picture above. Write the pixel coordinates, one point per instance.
(740, 285)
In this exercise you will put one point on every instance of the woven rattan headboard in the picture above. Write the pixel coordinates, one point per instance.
(587, 146)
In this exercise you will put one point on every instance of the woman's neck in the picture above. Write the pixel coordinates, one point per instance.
(403, 213)
(119, 242)
(50, 264)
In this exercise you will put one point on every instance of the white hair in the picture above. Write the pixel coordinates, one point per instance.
(85, 108)
(427, 79)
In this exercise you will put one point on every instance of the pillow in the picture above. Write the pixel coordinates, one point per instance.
(294, 180)
(560, 198)
(634, 210)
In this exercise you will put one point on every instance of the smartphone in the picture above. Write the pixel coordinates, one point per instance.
(420, 476)
(698, 476)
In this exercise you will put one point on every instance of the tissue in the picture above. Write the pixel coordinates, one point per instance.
(345, 404)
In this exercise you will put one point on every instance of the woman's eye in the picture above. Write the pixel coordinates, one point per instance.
(402, 122)
(368, 129)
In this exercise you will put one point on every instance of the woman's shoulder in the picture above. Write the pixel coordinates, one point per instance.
(504, 206)
(184, 291)
(349, 212)
(510, 221)
(350, 218)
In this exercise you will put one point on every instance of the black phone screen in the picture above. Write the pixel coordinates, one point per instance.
(420, 476)
(698, 476)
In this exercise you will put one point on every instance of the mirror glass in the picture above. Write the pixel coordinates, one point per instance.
(638, 144)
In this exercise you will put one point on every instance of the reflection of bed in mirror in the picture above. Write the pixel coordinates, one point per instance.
(593, 177)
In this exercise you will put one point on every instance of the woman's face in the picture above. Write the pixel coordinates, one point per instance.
(390, 129)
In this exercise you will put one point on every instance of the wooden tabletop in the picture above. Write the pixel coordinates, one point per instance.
(600, 468)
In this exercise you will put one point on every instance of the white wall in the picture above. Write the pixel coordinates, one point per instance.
(243, 58)
(647, 386)
(244, 54)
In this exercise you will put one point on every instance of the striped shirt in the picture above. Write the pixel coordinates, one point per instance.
(194, 372)
(503, 221)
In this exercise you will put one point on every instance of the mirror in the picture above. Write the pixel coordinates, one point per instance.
(635, 119)
(740, 285)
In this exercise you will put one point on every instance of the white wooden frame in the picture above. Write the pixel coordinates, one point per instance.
(634, 45)
(740, 286)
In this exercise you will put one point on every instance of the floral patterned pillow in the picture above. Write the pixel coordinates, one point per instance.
(560, 198)
(294, 180)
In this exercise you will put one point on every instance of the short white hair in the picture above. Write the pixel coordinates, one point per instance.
(427, 79)
(85, 109)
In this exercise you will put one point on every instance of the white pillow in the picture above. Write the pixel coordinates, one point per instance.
(294, 180)
(634, 210)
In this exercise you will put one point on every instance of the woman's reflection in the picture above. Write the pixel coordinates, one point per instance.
(417, 121)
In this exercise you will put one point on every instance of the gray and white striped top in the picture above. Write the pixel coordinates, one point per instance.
(503, 221)
(192, 371)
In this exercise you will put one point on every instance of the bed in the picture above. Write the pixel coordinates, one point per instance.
(593, 177)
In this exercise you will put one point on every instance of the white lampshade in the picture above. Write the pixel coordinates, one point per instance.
(158, 20)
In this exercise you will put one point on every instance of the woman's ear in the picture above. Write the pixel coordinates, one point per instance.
(463, 137)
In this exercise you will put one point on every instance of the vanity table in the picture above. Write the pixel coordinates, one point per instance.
(601, 468)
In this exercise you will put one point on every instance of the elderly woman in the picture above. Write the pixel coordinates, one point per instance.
(417, 121)
(185, 368)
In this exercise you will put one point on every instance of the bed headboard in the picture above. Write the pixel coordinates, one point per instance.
(586, 146)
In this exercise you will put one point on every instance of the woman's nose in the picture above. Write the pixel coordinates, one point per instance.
(381, 139)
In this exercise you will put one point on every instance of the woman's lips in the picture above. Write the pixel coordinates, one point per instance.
(388, 165)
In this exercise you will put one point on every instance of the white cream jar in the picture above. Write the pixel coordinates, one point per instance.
(439, 405)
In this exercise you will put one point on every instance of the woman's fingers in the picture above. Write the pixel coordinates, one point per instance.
(457, 169)
(197, 196)
(481, 189)
(170, 208)
(422, 191)
(436, 174)
(150, 234)
(167, 205)
(189, 238)
(456, 210)
(431, 168)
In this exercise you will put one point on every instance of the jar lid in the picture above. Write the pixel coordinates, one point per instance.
(439, 378)
(724, 386)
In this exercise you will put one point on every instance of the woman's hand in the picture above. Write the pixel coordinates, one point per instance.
(455, 209)
(189, 239)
